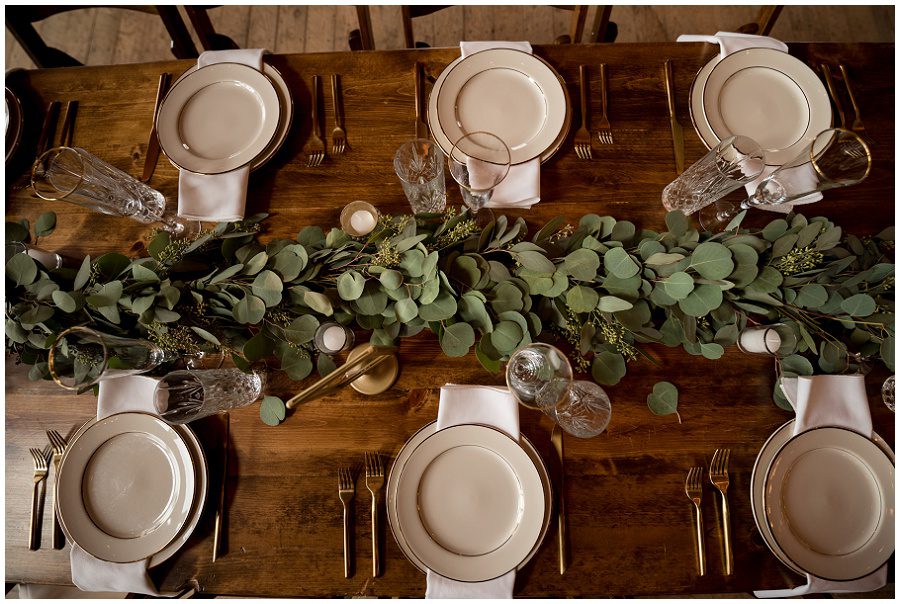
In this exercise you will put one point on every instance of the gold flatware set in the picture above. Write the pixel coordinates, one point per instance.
(583, 136)
(375, 477)
(693, 488)
(677, 130)
(856, 124)
(556, 439)
(41, 461)
(152, 154)
(58, 444)
(316, 148)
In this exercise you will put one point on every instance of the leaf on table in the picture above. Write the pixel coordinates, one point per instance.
(664, 399)
(272, 410)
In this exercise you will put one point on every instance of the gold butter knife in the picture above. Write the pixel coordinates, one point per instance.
(220, 510)
(152, 155)
(421, 126)
(677, 132)
(557, 439)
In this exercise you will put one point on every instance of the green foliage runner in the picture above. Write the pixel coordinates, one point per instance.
(603, 286)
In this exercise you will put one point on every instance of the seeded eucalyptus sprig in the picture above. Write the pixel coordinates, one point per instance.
(604, 287)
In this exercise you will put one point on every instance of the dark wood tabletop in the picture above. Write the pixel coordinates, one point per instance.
(629, 520)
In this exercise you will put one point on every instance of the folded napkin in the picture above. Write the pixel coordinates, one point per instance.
(732, 42)
(522, 186)
(217, 197)
(829, 400)
(130, 393)
(492, 406)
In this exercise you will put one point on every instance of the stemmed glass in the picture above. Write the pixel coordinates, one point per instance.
(74, 175)
(80, 357)
(479, 161)
(835, 158)
(540, 377)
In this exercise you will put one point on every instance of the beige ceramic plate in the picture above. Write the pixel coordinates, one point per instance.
(511, 93)
(470, 503)
(770, 96)
(14, 123)
(829, 502)
(397, 469)
(286, 102)
(218, 118)
(758, 484)
(126, 487)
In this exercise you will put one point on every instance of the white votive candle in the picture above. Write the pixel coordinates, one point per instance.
(763, 340)
(334, 338)
(48, 259)
(362, 222)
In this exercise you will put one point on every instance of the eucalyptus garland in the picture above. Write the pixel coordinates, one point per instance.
(603, 286)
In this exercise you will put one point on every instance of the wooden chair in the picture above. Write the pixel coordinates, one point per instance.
(601, 27)
(764, 23)
(20, 22)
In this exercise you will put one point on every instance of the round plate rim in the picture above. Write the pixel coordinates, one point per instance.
(18, 122)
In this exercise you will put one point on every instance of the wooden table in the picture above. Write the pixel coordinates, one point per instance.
(629, 520)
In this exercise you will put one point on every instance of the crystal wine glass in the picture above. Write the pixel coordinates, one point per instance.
(835, 158)
(479, 161)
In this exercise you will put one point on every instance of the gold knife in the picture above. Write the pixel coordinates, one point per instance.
(421, 126)
(677, 132)
(152, 155)
(220, 510)
(557, 439)
(826, 71)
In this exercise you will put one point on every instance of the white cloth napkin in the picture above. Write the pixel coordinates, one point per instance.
(829, 400)
(129, 393)
(730, 42)
(522, 186)
(217, 197)
(492, 406)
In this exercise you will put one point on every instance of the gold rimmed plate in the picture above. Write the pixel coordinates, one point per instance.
(218, 118)
(15, 122)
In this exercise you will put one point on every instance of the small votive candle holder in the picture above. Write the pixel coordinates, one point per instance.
(769, 340)
(332, 338)
(359, 218)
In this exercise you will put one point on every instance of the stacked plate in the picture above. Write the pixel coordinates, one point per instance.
(15, 123)
(513, 94)
(223, 117)
(131, 487)
(765, 94)
(468, 502)
(824, 501)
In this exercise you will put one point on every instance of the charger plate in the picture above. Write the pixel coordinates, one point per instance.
(768, 95)
(126, 487)
(510, 93)
(470, 504)
(218, 118)
(286, 102)
(829, 503)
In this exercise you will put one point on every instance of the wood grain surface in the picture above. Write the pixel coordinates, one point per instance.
(629, 520)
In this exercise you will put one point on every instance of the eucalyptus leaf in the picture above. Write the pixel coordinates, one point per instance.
(664, 399)
(21, 269)
(45, 224)
(65, 302)
(608, 368)
(583, 299)
(712, 260)
(582, 264)
(620, 264)
(350, 285)
(267, 286)
(272, 410)
(302, 329)
(859, 305)
(457, 339)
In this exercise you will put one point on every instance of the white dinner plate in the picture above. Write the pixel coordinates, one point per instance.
(397, 469)
(758, 484)
(218, 118)
(15, 123)
(286, 102)
(768, 95)
(510, 93)
(126, 487)
(470, 503)
(829, 502)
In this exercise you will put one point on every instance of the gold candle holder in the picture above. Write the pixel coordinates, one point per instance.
(359, 218)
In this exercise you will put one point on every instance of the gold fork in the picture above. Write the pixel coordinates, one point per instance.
(40, 473)
(718, 475)
(829, 83)
(338, 136)
(583, 136)
(857, 120)
(374, 482)
(346, 491)
(605, 134)
(316, 145)
(58, 443)
(693, 487)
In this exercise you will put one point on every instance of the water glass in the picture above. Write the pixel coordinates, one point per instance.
(727, 167)
(540, 377)
(479, 161)
(74, 175)
(420, 166)
(184, 396)
(887, 393)
(80, 357)
(776, 340)
(835, 158)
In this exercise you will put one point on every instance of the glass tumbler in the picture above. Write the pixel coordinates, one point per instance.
(420, 166)
(835, 158)
(75, 175)
(478, 162)
(80, 357)
(725, 168)
(184, 396)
